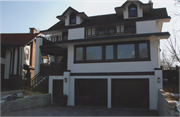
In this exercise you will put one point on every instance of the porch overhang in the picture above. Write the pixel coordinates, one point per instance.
(115, 38)
(53, 50)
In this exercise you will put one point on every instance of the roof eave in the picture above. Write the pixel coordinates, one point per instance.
(134, 37)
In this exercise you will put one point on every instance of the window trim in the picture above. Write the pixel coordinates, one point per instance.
(130, 6)
(136, 43)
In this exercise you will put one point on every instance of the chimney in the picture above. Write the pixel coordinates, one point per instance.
(33, 30)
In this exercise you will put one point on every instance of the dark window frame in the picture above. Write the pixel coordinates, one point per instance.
(129, 12)
(115, 59)
(71, 17)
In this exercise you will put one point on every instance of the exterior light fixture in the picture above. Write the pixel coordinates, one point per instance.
(65, 79)
(158, 80)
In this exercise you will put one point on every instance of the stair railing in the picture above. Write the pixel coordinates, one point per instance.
(37, 79)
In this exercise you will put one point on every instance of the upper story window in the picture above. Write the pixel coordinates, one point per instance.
(132, 10)
(72, 19)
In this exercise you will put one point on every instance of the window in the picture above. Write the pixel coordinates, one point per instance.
(65, 36)
(94, 53)
(72, 18)
(132, 10)
(112, 30)
(101, 31)
(115, 52)
(27, 54)
(25, 74)
(125, 51)
(143, 50)
(109, 52)
(130, 28)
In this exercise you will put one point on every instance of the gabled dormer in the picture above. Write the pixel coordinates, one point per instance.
(133, 9)
(72, 17)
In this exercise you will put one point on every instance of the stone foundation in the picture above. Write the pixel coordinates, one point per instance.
(166, 107)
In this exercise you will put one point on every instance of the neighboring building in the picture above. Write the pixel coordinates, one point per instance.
(17, 58)
(106, 60)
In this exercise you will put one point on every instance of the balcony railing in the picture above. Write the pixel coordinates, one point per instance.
(54, 68)
(110, 30)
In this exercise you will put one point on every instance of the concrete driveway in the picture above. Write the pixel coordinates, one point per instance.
(54, 110)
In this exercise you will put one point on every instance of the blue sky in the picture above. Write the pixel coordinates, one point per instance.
(19, 16)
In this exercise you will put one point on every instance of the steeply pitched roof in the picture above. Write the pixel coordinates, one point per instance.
(111, 19)
(17, 39)
(82, 14)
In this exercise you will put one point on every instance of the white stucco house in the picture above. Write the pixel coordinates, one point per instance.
(106, 60)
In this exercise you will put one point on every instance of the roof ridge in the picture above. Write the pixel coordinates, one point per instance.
(101, 15)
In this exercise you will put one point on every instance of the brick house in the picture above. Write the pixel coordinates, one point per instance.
(17, 58)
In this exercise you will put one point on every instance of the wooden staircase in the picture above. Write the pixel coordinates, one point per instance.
(40, 83)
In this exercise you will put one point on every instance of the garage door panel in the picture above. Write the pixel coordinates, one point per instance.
(130, 93)
(91, 92)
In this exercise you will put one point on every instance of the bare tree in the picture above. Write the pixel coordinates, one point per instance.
(166, 62)
(174, 47)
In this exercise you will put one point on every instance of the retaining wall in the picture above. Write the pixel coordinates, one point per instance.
(165, 107)
(26, 103)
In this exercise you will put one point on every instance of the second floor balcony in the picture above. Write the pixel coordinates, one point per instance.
(110, 30)
(95, 31)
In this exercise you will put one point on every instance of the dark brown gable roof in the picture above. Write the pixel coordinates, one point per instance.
(17, 39)
(82, 14)
(111, 19)
(130, 1)
(119, 10)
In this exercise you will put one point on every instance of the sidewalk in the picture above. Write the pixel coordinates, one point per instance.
(53, 110)
(4, 93)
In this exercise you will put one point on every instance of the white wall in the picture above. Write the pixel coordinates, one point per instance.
(38, 55)
(67, 20)
(68, 87)
(3, 60)
(139, 10)
(7, 64)
(115, 66)
(146, 27)
(28, 60)
(79, 20)
(77, 33)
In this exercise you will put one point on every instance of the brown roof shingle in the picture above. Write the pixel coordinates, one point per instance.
(17, 39)
(110, 19)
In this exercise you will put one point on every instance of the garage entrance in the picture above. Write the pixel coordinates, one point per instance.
(91, 92)
(130, 93)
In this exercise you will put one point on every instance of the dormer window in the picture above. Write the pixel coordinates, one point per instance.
(132, 10)
(72, 18)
